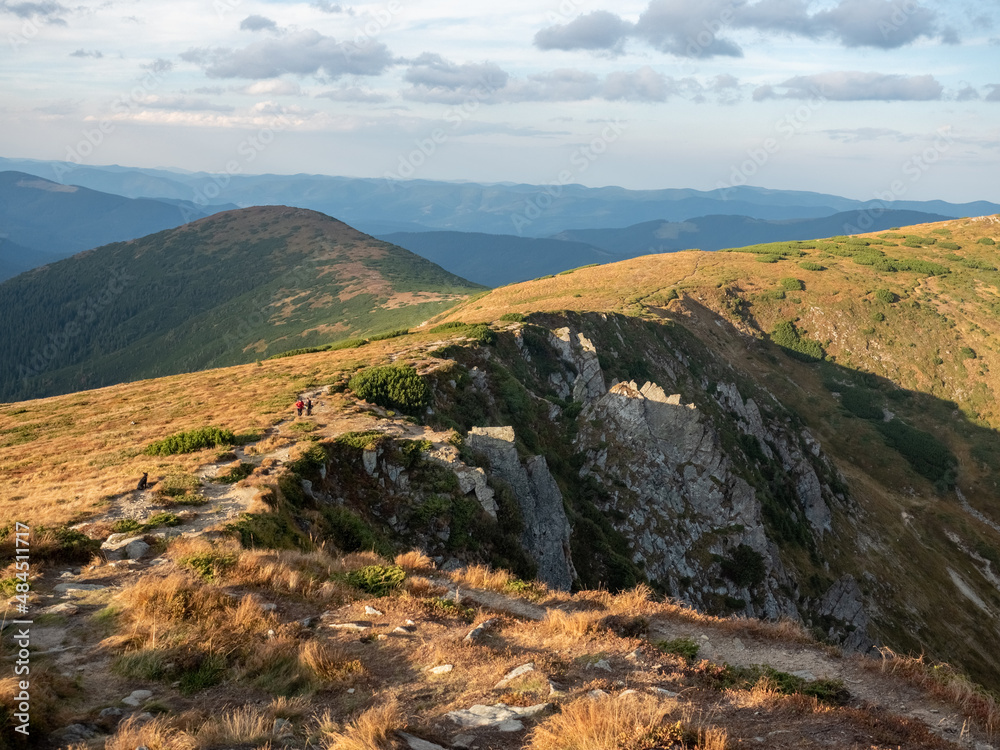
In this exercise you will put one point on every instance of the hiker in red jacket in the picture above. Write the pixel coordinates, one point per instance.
(299, 406)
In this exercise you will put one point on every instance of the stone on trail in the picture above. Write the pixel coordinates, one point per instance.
(137, 697)
(415, 743)
(498, 716)
(514, 674)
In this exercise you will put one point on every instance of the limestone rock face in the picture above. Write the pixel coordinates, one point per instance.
(546, 528)
(579, 353)
(682, 493)
(844, 602)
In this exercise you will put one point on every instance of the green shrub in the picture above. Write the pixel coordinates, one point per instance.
(745, 678)
(266, 531)
(190, 441)
(861, 403)
(361, 440)
(448, 326)
(337, 346)
(389, 334)
(745, 567)
(178, 484)
(877, 316)
(980, 265)
(684, 647)
(130, 525)
(928, 456)
(208, 671)
(810, 266)
(61, 545)
(788, 338)
(884, 295)
(949, 246)
(985, 241)
(238, 473)
(966, 353)
(208, 565)
(125, 526)
(512, 318)
(483, 334)
(310, 461)
(392, 387)
(377, 580)
(349, 532)
(792, 284)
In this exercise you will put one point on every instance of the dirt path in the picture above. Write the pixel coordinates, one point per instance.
(226, 502)
(862, 678)
(812, 663)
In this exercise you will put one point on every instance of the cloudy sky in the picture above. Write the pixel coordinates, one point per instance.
(862, 98)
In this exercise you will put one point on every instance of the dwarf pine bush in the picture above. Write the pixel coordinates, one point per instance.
(397, 387)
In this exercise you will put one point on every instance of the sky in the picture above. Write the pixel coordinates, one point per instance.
(889, 99)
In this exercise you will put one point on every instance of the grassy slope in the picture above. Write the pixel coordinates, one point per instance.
(228, 289)
(61, 455)
(905, 356)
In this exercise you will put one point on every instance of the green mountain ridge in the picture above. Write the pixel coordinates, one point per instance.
(48, 221)
(231, 288)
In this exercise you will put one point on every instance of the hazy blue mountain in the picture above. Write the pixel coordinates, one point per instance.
(497, 259)
(382, 205)
(15, 259)
(717, 232)
(46, 220)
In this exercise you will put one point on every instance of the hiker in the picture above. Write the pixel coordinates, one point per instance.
(309, 408)
(299, 406)
(143, 483)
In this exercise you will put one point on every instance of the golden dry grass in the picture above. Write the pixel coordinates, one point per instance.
(607, 723)
(162, 733)
(569, 625)
(246, 724)
(179, 610)
(420, 587)
(372, 730)
(415, 561)
(943, 682)
(69, 453)
(483, 577)
(328, 661)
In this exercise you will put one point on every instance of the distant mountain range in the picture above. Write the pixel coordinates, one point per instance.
(496, 260)
(231, 288)
(719, 232)
(381, 206)
(42, 221)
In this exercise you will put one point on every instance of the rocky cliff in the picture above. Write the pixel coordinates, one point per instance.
(567, 466)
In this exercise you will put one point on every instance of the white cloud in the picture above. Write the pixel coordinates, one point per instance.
(704, 29)
(854, 86)
(597, 30)
(183, 103)
(432, 71)
(353, 94)
(302, 53)
(274, 87)
(643, 85)
(47, 10)
(258, 23)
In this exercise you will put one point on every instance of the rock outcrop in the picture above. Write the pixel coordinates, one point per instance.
(546, 528)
